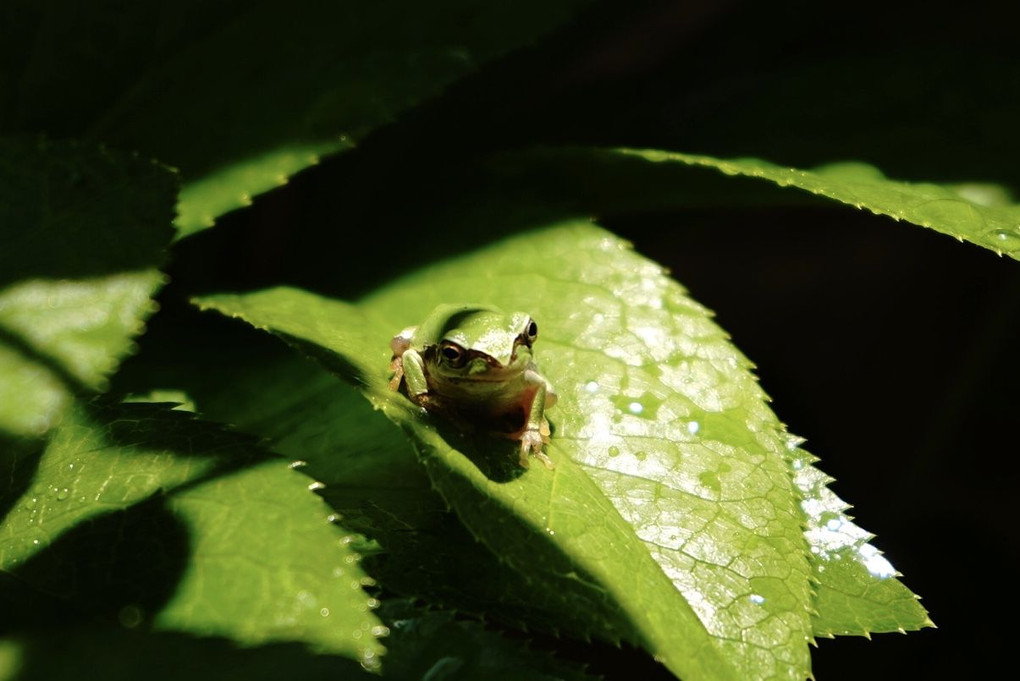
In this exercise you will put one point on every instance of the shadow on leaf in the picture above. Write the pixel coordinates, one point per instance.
(496, 458)
(123, 565)
(126, 655)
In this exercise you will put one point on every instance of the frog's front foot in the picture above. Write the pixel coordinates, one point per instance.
(397, 367)
(531, 444)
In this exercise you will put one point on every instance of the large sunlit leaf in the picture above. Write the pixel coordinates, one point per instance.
(83, 231)
(658, 413)
(974, 213)
(855, 594)
(148, 516)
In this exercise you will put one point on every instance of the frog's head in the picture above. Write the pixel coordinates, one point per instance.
(477, 342)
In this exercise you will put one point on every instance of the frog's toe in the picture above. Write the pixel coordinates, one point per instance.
(531, 443)
(545, 460)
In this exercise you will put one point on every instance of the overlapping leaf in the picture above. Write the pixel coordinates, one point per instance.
(975, 213)
(242, 95)
(83, 232)
(145, 515)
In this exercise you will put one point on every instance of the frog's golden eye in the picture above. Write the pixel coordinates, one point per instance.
(453, 354)
(532, 332)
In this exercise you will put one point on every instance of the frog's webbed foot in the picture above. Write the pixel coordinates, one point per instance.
(531, 444)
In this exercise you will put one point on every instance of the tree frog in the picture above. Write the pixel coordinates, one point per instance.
(473, 365)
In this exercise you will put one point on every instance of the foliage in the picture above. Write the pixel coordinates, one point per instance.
(182, 493)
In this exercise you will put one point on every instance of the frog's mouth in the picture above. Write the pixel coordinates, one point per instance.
(485, 368)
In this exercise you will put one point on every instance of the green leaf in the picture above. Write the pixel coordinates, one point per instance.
(968, 212)
(83, 232)
(423, 644)
(241, 95)
(143, 514)
(223, 190)
(657, 414)
(854, 590)
(426, 645)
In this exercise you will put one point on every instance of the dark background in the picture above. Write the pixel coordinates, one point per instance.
(889, 347)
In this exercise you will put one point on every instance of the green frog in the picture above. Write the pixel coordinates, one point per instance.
(473, 365)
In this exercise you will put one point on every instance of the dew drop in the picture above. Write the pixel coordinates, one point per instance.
(693, 427)
(369, 661)
(324, 612)
(297, 464)
(1007, 239)
(757, 599)
(640, 456)
(646, 406)
(591, 386)
(63, 493)
(315, 486)
(792, 441)
(614, 451)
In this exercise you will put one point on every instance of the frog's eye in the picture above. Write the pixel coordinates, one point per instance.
(531, 332)
(453, 354)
